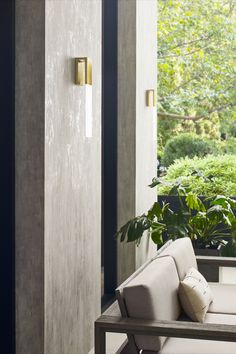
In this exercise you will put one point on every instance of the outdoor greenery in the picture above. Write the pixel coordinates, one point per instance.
(208, 224)
(196, 67)
(188, 144)
(196, 127)
(228, 146)
(197, 94)
(206, 176)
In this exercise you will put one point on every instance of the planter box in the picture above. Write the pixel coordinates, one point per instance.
(211, 273)
(171, 199)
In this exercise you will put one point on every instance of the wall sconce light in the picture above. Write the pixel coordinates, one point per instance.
(151, 102)
(83, 71)
(83, 77)
(150, 98)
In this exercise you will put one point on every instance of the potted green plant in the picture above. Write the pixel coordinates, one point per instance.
(209, 223)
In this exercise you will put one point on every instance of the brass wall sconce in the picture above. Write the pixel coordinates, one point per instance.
(83, 71)
(150, 98)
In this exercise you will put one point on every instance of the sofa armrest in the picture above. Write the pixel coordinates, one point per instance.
(176, 329)
(217, 261)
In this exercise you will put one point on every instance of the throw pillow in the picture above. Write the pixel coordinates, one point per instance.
(195, 295)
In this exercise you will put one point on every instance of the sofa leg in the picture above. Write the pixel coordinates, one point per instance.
(100, 340)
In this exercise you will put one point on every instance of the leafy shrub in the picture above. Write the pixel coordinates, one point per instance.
(187, 144)
(229, 146)
(206, 176)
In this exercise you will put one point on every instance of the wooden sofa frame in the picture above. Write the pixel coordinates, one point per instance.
(116, 321)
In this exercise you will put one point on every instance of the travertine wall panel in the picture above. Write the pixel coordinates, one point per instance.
(72, 177)
(136, 122)
(126, 139)
(146, 117)
(58, 177)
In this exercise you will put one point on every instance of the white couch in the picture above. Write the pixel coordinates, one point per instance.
(152, 316)
(153, 295)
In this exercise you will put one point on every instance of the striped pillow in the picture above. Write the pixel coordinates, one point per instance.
(195, 295)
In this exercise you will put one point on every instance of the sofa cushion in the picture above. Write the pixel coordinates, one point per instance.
(153, 295)
(195, 295)
(224, 298)
(197, 346)
(220, 318)
(183, 254)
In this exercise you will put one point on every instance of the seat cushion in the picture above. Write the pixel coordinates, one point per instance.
(153, 295)
(197, 346)
(183, 254)
(195, 295)
(224, 296)
(220, 318)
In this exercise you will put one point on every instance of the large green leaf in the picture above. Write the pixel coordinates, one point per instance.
(137, 227)
(194, 203)
(156, 236)
(155, 211)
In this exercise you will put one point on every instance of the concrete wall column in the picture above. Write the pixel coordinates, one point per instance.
(72, 178)
(58, 177)
(136, 122)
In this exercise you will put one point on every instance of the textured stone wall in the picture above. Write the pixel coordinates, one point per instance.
(58, 177)
(146, 118)
(126, 151)
(136, 122)
(72, 178)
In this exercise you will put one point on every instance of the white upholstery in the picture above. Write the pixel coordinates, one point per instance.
(196, 346)
(224, 296)
(153, 295)
(220, 318)
(183, 254)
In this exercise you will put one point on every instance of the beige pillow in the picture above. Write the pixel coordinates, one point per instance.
(195, 295)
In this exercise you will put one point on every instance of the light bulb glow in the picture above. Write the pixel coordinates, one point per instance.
(88, 111)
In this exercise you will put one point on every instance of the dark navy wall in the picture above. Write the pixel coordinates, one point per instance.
(7, 198)
(109, 148)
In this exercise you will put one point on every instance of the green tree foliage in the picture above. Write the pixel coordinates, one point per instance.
(196, 67)
(228, 146)
(188, 144)
(208, 176)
